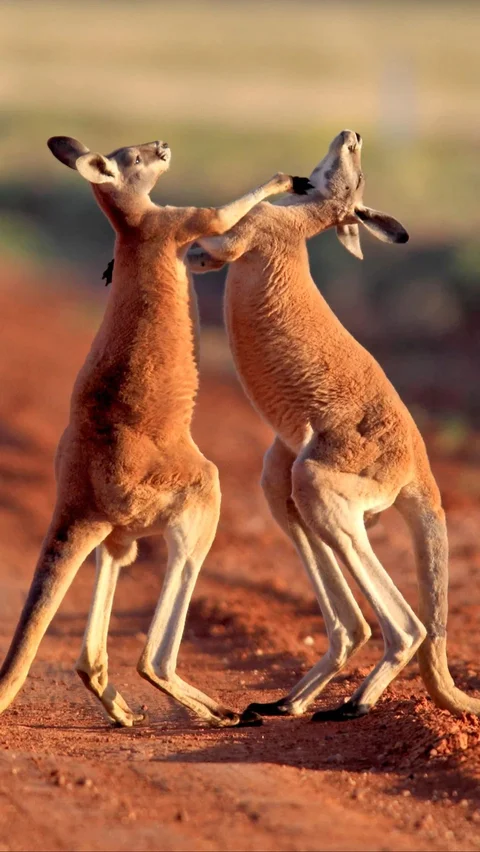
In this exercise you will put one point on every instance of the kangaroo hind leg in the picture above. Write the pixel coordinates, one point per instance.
(66, 546)
(189, 537)
(92, 664)
(333, 504)
(346, 627)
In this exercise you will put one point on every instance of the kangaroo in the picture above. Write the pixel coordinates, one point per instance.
(127, 466)
(346, 447)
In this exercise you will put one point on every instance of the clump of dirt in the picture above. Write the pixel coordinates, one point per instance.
(422, 733)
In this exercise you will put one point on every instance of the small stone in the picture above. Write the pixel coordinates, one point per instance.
(181, 815)
(425, 821)
(58, 778)
(442, 746)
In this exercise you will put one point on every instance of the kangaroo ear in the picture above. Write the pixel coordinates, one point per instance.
(349, 236)
(67, 150)
(384, 227)
(96, 168)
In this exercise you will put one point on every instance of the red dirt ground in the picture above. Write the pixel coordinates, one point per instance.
(405, 777)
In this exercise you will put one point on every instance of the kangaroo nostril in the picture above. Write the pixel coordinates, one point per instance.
(161, 151)
(359, 138)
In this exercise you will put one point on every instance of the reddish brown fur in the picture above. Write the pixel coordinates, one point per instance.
(127, 465)
(346, 446)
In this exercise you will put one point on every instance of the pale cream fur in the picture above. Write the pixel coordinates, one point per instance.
(126, 465)
(346, 446)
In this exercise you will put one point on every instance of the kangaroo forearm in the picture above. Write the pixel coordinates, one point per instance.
(200, 261)
(211, 221)
(227, 247)
(230, 214)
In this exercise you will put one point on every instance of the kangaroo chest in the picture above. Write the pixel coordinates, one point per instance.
(142, 368)
(272, 347)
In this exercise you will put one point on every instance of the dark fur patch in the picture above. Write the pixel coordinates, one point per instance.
(272, 708)
(362, 427)
(108, 273)
(249, 719)
(333, 168)
(301, 185)
(345, 713)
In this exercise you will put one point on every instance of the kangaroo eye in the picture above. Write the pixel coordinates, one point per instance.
(137, 160)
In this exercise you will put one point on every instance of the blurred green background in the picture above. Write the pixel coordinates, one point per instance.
(241, 90)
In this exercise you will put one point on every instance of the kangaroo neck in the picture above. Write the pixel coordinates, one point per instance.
(284, 338)
(146, 349)
(273, 285)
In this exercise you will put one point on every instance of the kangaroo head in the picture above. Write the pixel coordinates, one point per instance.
(339, 175)
(120, 179)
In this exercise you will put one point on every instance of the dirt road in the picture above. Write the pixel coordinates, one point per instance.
(405, 777)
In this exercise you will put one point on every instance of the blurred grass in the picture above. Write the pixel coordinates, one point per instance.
(285, 39)
(241, 89)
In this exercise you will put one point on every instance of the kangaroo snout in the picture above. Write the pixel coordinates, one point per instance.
(162, 149)
(350, 138)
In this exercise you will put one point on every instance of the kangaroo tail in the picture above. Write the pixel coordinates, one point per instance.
(66, 546)
(426, 520)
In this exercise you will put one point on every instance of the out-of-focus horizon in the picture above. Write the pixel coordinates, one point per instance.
(241, 90)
